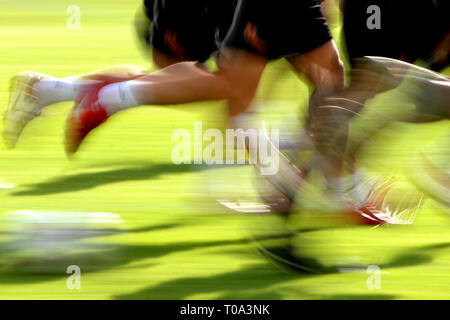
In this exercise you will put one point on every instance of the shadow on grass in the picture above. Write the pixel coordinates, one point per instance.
(95, 257)
(103, 232)
(257, 281)
(86, 181)
(415, 256)
(360, 297)
(246, 283)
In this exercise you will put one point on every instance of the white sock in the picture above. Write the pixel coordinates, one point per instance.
(349, 188)
(53, 90)
(117, 96)
(336, 185)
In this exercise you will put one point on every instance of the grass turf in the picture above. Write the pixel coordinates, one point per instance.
(184, 244)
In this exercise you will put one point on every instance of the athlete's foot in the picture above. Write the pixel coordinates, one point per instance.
(362, 200)
(366, 215)
(370, 213)
(23, 105)
(86, 115)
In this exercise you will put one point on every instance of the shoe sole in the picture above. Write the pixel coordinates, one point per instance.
(17, 97)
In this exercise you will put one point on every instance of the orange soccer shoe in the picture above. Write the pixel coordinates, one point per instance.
(86, 115)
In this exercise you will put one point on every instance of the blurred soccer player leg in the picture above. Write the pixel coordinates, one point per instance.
(243, 71)
(324, 69)
(31, 92)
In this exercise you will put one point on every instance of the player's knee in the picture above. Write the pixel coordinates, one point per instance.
(332, 62)
(329, 75)
(243, 93)
(339, 67)
(239, 97)
(337, 72)
(234, 88)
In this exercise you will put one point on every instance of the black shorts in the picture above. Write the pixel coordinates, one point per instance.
(188, 30)
(279, 28)
(408, 30)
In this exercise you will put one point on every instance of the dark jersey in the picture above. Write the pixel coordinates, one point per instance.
(278, 28)
(189, 30)
(399, 29)
(148, 8)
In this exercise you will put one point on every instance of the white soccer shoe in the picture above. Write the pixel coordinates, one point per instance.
(23, 105)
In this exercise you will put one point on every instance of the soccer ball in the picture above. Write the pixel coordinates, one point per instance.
(50, 241)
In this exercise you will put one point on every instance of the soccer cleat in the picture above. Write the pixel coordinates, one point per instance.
(369, 215)
(23, 105)
(86, 115)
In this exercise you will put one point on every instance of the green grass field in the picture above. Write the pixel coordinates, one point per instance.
(184, 245)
